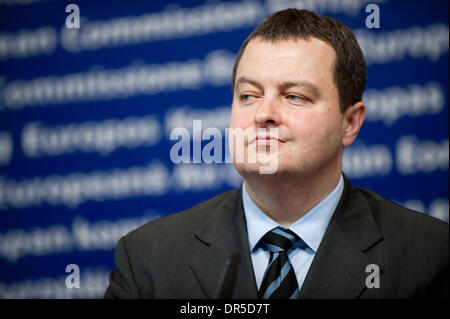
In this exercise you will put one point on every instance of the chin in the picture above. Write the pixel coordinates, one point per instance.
(245, 169)
(260, 169)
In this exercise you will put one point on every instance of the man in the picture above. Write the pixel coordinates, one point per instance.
(303, 231)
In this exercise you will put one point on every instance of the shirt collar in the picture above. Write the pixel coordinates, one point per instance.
(311, 227)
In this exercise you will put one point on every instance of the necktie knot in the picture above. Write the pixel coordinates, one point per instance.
(279, 239)
(279, 279)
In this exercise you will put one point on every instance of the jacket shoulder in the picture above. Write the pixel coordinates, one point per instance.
(182, 223)
(393, 216)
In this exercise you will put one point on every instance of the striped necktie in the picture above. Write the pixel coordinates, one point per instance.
(279, 280)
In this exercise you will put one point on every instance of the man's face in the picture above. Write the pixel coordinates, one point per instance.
(289, 85)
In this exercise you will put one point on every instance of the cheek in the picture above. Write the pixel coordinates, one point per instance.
(240, 118)
(314, 131)
(306, 125)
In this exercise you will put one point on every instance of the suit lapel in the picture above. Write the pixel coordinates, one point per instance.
(339, 267)
(223, 233)
(337, 271)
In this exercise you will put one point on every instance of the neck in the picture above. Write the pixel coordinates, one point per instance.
(286, 199)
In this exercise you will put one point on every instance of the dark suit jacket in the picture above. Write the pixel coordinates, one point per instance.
(185, 255)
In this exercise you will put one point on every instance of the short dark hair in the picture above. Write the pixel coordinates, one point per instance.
(350, 70)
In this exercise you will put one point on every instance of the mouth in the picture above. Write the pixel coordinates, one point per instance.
(267, 140)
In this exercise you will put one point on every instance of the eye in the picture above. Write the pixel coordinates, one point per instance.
(296, 99)
(246, 98)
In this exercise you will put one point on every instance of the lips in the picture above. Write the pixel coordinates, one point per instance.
(267, 140)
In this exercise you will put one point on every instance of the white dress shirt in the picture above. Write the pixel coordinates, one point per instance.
(311, 228)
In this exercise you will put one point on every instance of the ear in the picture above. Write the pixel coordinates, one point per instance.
(353, 120)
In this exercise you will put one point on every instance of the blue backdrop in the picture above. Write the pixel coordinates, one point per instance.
(86, 115)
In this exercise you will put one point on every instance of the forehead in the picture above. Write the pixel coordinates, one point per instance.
(297, 59)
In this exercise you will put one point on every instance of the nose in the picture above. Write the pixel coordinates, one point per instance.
(267, 114)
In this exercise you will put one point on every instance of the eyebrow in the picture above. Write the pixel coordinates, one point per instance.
(311, 87)
(243, 79)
